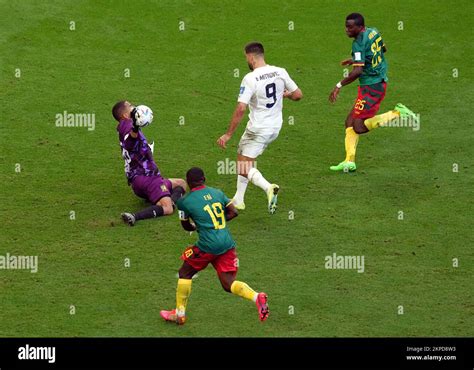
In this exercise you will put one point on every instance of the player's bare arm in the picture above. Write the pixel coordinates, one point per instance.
(295, 95)
(188, 225)
(230, 212)
(354, 75)
(347, 62)
(234, 123)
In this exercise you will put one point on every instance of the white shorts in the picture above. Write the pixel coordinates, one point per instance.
(253, 144)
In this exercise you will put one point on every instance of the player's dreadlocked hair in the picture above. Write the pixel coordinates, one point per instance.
(118, 109)
(254, 48)
(357, 18)
(195, 176)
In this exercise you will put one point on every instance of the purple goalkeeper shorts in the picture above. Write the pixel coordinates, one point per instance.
(151, 188)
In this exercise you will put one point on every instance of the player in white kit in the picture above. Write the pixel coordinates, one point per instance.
(263, 91)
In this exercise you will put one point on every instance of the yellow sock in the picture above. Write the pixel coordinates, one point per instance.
(381, 119)
(352, 138)
(183, 292)
(243, 290)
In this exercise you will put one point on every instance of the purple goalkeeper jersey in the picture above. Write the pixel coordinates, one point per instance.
(136, 152)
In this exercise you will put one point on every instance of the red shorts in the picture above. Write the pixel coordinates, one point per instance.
(226, 262)
(368, 100)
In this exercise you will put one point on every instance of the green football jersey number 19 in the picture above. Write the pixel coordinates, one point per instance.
(217, 215)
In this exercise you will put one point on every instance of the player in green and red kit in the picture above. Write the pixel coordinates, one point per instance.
(370, 67)
(210, 209)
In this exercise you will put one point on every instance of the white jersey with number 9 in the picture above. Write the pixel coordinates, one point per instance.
(262, 89)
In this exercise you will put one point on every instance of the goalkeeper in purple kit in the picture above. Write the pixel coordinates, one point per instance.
(141, 170)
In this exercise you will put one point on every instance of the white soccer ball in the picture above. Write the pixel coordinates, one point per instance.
(143, 115)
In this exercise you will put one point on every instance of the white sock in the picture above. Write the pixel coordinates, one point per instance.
(242, 183)
(256, 178)
(255, 297)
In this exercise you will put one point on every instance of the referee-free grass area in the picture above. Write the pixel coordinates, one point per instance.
(406, 210)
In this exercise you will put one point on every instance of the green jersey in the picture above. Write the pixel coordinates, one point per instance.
(367, 52)
(206, 207)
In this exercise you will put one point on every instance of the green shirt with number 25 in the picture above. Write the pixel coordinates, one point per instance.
(367, 52)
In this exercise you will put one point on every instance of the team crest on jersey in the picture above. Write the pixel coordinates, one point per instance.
(164, 188)
(242, 89)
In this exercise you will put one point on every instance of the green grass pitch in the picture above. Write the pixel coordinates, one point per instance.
(49, 65)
